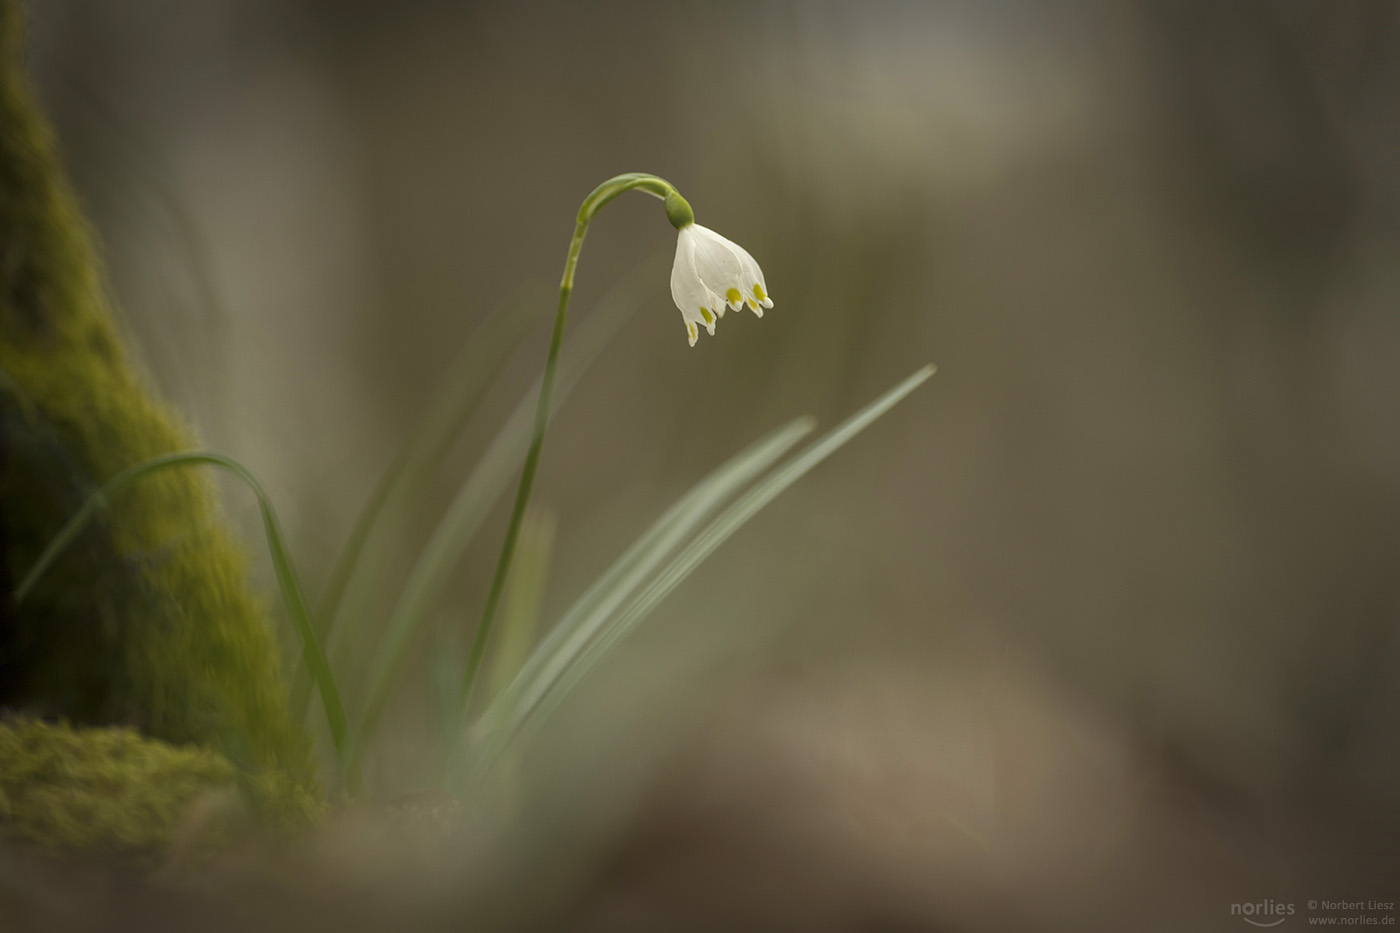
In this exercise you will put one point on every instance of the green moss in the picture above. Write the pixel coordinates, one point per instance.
(148, 620)
(110, 793)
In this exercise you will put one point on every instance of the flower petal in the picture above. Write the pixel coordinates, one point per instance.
(698, 304)
(753, 282)
(713, 274)
(718, 261)
(687, 290)
(715, 258)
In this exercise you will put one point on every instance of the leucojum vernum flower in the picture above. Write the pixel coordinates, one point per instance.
(711, 274)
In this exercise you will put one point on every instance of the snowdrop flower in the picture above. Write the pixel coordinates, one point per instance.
(711, 273)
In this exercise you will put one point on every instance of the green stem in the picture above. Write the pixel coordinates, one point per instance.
(591, 204)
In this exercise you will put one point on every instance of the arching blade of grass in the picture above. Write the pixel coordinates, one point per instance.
(570, 661)
(468, 510)
(475, 367)
(287, 579)
(601, 600)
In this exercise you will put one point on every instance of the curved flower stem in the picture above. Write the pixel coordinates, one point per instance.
(591, 204)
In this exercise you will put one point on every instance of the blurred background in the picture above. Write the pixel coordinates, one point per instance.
(1110, 604)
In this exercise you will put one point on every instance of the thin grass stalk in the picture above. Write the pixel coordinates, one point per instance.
(287, 579)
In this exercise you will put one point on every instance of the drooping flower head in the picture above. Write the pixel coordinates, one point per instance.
(711, 273)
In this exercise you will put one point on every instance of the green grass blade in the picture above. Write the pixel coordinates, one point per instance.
(544, 697)
(591, 610)
(287, 579)
(520, 609)
(444, 671)
(474, 499)
(524, 592)
(475, 367)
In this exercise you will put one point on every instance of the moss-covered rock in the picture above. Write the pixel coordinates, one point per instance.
(110, 793)
(148, 619)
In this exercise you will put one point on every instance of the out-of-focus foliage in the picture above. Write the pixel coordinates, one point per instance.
(111, 794)
(1116, 595)
(149, 619)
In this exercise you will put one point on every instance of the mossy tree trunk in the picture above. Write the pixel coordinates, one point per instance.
(148, 619)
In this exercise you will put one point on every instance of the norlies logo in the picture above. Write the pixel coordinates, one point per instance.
(1265, 913)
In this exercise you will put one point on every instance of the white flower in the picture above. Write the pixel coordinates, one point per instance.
(710, 273)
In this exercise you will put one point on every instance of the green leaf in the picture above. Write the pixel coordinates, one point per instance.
(564, 662)
(524, 593)
(610, 591)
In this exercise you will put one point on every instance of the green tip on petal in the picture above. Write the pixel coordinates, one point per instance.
(678, 211)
